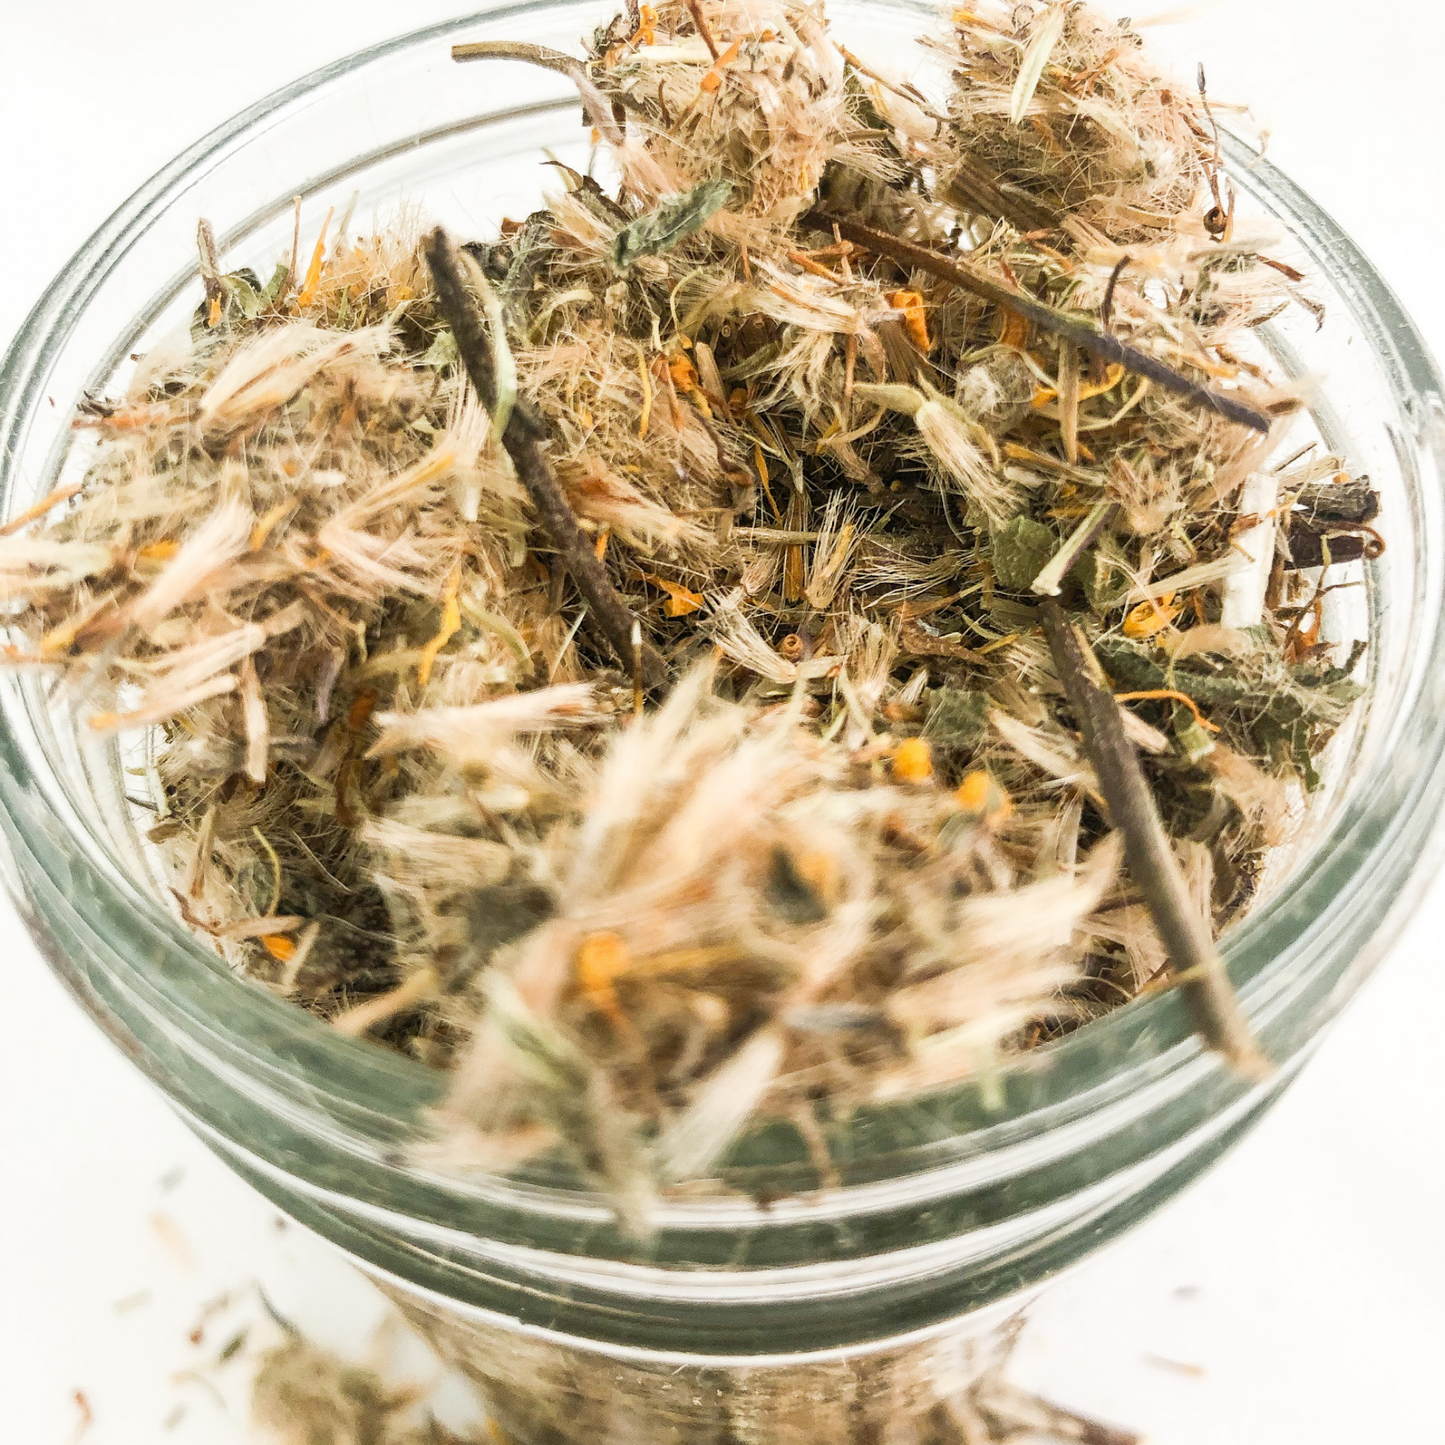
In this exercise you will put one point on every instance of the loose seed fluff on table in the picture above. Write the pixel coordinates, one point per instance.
(638, 662)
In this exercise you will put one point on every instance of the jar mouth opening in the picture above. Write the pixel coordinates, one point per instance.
(1317, 932)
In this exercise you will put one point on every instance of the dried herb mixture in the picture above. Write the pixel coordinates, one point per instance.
(685, 657)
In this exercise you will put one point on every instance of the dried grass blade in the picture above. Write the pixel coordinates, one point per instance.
(1040, 47)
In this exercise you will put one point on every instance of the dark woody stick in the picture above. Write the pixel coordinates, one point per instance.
(523, 441)
(1081, 333)
(1194, 962)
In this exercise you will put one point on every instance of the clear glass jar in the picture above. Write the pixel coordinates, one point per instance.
(825, 1312)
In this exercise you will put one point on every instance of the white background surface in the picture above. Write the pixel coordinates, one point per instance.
(1301, 1285)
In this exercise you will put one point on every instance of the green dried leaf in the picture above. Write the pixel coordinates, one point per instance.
(1021, 550)
(1066, 560)
(1287, 745)
(242, 290)
(791, 894)
(1134, 670)
(1195, 743)
(957, 717)
(1268, 708)
(677, 217)
(442, 353)
(280, 278)
(1103, 575)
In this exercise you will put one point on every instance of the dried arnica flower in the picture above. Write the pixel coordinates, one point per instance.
(805, 622)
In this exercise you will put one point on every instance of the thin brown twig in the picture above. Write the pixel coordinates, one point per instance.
(1194, 961)
(598, 108)
(542, 55)
(703, 28)
(523, 441)
(1106, 311)
(1080, 332)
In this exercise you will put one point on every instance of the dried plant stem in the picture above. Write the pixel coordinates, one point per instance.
(1194, 961)
(45, 504)
(974, 188)
(1049, 582)
(703, 28)
(523, 441)
(775, 537)
(542, 55)
(1106, 308)
(422, 985)
(1069, 384)
(1081, 333)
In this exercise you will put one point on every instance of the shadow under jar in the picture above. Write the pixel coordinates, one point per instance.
(829, 1311)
